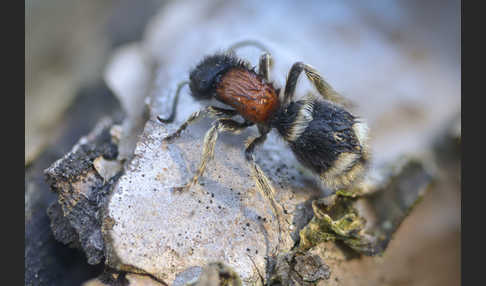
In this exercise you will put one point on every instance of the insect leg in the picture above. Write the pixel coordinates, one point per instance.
(263, 183)
(265, 65)
(220, 125)
(324, 88)
(212, 111)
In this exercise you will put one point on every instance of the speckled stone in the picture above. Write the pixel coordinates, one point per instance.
(164, 232)
(149, 228)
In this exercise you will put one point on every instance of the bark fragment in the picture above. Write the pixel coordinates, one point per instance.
(75, 216)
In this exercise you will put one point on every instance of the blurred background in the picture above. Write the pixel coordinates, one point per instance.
(398, 60)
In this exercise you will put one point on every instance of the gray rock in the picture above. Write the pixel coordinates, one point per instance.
(149, 228)
(163, 232)
(123, 279)
(61, 227)
(48, 262)
(75, 216)
(216, 274)
(299, 268)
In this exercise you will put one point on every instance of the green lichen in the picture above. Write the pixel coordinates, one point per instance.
(347, 193)
(336, 218)
(314, 233)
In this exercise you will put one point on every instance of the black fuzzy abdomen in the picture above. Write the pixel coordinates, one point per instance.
(327, 135)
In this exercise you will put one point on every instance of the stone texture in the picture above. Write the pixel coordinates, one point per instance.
(162, 232)
(48, 262)
(123, 280)
(215, 274)
(299, 268)
(149, 228)
(75, 216)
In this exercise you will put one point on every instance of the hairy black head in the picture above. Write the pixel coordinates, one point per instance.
(205, 76)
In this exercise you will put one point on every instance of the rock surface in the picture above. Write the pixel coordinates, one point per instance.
(123, 279)
(164, 232)
(151, 229)
(48, 262)
(216, 273)
(75, 216)
(146, 227)
(299, 268)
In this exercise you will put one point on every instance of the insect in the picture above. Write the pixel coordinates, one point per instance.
(324, 137)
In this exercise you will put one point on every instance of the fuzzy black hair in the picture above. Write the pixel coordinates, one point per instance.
(206, 75)
(317, 147)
